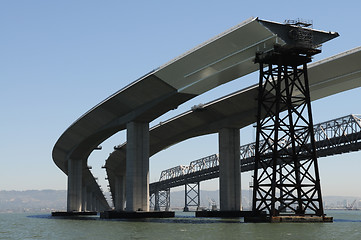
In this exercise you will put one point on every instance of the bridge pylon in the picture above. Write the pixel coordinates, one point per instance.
(286, 178)
(192, 196)
(161, 200)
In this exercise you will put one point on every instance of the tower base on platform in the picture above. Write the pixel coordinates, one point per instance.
(288, 219)
(135, 215)
(70, 214)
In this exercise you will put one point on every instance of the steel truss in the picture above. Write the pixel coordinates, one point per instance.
(173, 172)
(338, 132)
(192, 196)
(336, 136)
(286, 178)
(152, 200)
(160, 200)
(194, 166)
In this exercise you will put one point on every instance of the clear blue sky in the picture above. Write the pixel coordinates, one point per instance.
(60, 58)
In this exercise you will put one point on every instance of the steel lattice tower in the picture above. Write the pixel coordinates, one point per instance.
(286, 177)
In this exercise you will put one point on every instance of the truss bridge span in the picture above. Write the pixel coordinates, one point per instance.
(337, 136)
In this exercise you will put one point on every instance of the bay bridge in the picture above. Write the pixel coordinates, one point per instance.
(280, 105)
(337, 136)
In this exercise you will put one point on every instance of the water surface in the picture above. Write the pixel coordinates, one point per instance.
(346, 225)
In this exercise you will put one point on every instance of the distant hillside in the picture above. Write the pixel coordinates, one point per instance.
(177, 199)
(330, 202)
(55, 200)
(32, 201)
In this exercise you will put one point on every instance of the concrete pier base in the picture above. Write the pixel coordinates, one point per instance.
(135, 215)
(70, 214)
(224, 214)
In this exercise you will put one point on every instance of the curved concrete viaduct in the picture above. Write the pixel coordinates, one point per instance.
(224, 58)
(329, 76)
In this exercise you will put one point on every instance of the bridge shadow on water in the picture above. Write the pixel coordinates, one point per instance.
(182, 220)
(175, 220)
(48, 216)
(346, 220)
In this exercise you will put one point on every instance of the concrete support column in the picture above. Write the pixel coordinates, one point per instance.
(94, 203)
(89, 201)
(137, 162)
(84, 204)
(97, 204)
(101, 207)
(229, 170)
(119, 192)
(74, 185)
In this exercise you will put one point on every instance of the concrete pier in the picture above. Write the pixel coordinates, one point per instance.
(137, 172)
(94, 203)
(229, 170)
(135, 215)
(84, 205)
(89, 201)
(97, 204)
(119, 192)
(72, 214)
(224, 214)
(74, 200)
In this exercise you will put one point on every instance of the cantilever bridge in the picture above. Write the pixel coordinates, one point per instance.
(280, 104)
(337, 136)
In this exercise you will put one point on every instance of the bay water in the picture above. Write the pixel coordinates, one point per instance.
(346, 225)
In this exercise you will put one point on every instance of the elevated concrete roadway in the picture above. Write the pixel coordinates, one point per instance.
(329, 76)
(224, 58)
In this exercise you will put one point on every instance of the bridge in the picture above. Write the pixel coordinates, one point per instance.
(337, 136)
(327, 77)
(221, 59)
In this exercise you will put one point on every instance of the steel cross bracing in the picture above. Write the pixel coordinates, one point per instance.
(285, 177)
(337, 136)
(160, 200)
(192, 196)
(340, 135)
